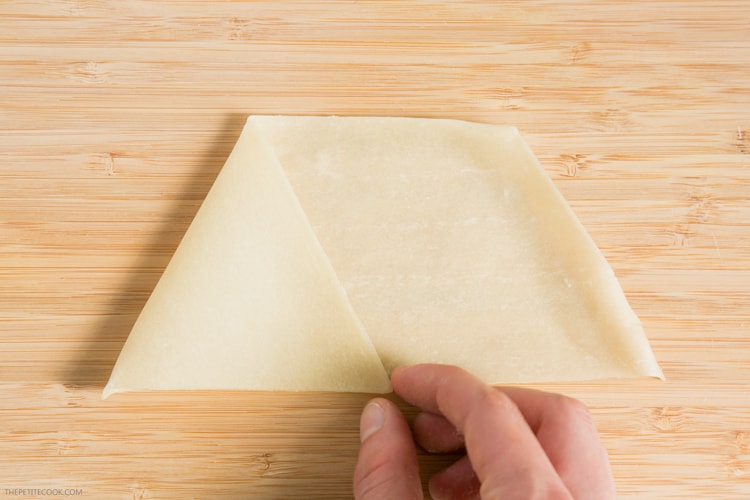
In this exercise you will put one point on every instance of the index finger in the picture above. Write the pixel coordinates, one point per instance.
(502, 448)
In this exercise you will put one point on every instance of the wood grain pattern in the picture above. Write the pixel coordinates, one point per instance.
(117, 116)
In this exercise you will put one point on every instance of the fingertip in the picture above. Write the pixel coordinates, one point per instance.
(398, 372)
(404, 376)
(387, 465)
(371, 420)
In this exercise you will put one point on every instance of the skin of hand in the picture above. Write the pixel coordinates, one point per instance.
(519, 443)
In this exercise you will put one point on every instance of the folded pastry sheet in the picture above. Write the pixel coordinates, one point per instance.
(332, 249)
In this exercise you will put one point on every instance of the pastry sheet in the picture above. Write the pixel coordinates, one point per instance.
(326, 240)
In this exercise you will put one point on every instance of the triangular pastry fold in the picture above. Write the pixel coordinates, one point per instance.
(249, 299)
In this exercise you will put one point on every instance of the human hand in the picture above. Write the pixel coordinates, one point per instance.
(519, 443)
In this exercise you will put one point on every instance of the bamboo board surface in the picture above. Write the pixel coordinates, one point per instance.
(117, 116)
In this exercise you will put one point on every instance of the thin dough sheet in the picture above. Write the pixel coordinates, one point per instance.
(449, 242)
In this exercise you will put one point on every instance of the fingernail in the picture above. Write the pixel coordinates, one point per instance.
(372, 419)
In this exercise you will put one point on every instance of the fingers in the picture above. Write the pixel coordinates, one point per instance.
(567, 434)
(436, 434)
(520, 443)
(387, 464)
(563, 427)
(504, 452)
(457, 481)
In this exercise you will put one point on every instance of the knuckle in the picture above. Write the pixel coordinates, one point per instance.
(371, 483)
(499, 400)
(575, 410)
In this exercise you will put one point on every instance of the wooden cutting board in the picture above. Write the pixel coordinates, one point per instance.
(117, 116)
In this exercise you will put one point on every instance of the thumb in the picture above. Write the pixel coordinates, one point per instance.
(387, 464)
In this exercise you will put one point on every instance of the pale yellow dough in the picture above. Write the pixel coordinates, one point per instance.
(440, 240)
